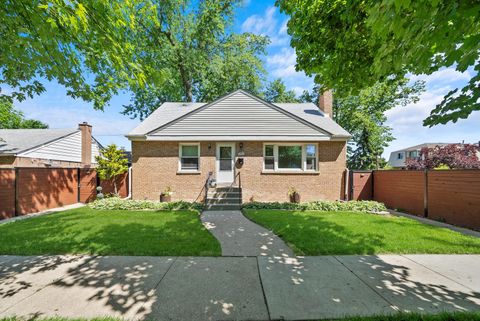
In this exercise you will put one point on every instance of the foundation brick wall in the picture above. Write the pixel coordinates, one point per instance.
(155, 166)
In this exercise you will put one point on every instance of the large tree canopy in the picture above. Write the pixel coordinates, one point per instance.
(157, 49)
(11, 118)
(363, 116)
(351, 45)
(88, 46)
(190, 44)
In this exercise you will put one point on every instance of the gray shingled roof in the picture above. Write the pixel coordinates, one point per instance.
(15, 141)
(171, 111)
(164, 114)
(312, 114)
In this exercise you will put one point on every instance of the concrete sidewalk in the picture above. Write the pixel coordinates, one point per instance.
(236, 288)
(239, 236)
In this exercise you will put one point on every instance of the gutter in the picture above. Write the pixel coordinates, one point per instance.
(129, 196)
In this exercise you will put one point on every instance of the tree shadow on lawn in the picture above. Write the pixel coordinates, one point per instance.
(71, 234)
(329, 238)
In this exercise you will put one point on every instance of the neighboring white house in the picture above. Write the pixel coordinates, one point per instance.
(48, 147)
(398, 158)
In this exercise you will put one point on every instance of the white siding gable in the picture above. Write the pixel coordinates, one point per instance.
(68, 148)
(238, 114)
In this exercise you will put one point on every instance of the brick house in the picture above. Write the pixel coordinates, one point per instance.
(73, 147)
(256, 149)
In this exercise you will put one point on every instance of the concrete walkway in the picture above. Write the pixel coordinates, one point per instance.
(46, 212)
(239, 236)
(236, 288)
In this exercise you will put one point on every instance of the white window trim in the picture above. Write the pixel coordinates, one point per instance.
(180, 157)
(304, 158)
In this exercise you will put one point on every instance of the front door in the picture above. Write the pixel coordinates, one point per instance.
(225, 162)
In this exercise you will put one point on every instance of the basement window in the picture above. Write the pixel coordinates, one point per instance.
(189, 157)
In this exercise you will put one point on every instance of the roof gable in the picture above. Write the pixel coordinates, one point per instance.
(19, 140)
(239, 114)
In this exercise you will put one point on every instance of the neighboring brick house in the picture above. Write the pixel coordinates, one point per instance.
(48, 147)
(257, 148)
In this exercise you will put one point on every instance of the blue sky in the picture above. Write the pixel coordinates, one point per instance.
(60, 111)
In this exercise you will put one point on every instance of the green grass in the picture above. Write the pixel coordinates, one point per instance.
(447, 316)
(337, 233)
(109, 232)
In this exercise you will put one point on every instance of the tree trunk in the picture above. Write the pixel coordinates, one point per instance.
(115, 185)
(188, 91)
(186, 82)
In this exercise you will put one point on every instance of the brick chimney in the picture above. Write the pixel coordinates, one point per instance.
(325, 103)
(86, 131)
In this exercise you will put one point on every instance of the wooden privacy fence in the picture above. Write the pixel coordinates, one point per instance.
(29, 190)
(452, 196)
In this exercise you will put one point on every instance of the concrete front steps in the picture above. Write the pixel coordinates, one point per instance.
(224, 198)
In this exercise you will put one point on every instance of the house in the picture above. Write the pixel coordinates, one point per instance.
(48, 147)
(397, 158)
(239, 140)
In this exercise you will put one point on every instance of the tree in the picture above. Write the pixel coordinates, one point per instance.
(88, 46)
(10, 118)
(351, 45)
(111, 163)
(276, 92)
(452, 156)
(310, 97)
(363, 116)
(189, 43)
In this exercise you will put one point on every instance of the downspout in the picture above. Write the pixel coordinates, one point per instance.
(129, 183)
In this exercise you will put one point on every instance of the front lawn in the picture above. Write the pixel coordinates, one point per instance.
(110, 232)
(337, 233)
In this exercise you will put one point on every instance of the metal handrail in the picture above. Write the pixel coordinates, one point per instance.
(206, 186)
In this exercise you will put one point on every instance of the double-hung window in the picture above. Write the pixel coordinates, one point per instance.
(189, 157)
(269, 158)
(290, 157)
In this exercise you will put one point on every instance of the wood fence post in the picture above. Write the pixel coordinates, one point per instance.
(78, 185)
(16, 212)
(373, 185)
(425, 194)
(350, 185)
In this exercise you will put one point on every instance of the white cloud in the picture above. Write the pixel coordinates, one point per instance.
(267, 25)
(442, 77)
(407, 122)
(263, 25)
(282, 64)
(60, 111)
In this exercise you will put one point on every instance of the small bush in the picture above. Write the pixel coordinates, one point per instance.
(357, 206)
(116, 203)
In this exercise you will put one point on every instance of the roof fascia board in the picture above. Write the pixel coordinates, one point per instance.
(241, 138)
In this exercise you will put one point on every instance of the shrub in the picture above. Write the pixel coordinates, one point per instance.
(116, 203)
(358, 206)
